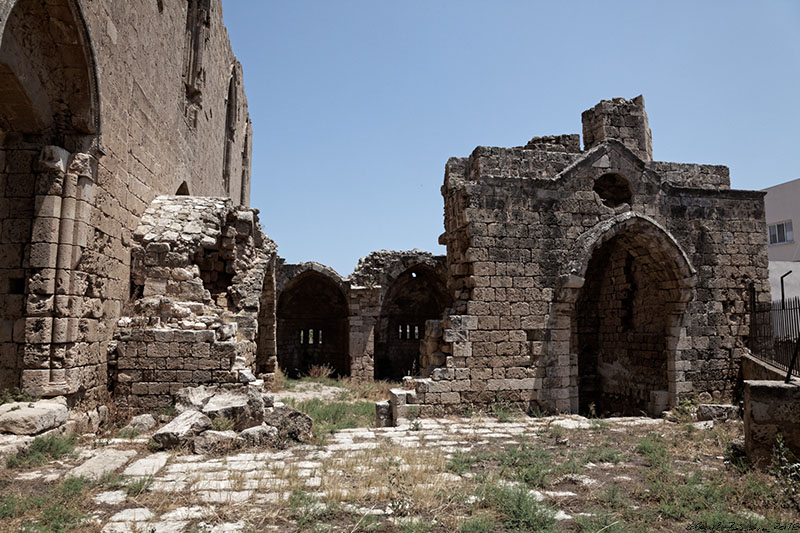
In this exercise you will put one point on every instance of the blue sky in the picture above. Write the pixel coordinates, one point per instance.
(357, 105)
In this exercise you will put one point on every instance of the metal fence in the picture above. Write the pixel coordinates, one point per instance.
(774, 331)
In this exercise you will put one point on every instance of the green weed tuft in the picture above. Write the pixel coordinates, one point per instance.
(654, 450)
(223, 424)
(519, 509)
(43, 450)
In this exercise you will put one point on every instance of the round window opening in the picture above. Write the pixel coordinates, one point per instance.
(613, 189)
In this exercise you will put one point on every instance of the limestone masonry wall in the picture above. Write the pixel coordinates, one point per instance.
(199, 268)
(770, 410)
(106, 105)
(586, 279)
(589, 280)
(368, 325)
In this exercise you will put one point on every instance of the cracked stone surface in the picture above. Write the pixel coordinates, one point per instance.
(196, 489)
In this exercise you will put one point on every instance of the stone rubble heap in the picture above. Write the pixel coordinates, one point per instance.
(21, 422)
(198, 270)
(256, 420)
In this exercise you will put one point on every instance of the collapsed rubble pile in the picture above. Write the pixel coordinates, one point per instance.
(256, 420)
(198, 271)
(250, 416)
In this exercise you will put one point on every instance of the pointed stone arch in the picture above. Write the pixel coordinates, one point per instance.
(416, 294)
(183, 189)
(50, 123)
(231, 121)
(617, 326)
(312, 326)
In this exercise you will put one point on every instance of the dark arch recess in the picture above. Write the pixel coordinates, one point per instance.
(415, 296)
(312, 326)
(613, 189)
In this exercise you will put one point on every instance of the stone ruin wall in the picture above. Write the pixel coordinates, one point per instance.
(522, 228)
(364, 310)
(199, 266)
(95, 127)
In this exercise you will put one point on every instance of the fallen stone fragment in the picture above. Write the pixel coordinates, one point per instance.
(717, 412)
(383, 414)
(102, 463)
(291, 423)
(212, 441)
(12, 444)
(183, 428)
(262, 435)
(243, 405)
(193, 398)
(268, 399)
(114, 497)
(246, 376)
(138, 514)
(147, 466)
(142, 423)
(31, 418)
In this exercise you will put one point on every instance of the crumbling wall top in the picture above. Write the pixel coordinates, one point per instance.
(286, 272)
(556, 143)
(379, 267)
(621, 119)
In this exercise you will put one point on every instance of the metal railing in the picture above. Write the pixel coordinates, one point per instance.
(775, 332)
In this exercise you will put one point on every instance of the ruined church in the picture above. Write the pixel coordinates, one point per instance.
(578, 276)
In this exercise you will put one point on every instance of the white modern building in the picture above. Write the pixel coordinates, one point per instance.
(782, 205)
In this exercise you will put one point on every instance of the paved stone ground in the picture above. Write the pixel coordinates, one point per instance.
(199, 491)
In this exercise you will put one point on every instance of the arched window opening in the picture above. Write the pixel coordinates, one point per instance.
(49, 112)
(244, 193)
(198, 21)
(613, 189)
(230, 133)
(416, 295)
(312, 326)
(183, 190)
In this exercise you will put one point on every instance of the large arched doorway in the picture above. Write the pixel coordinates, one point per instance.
(416, 295)
(312, 326)
(48, 112)
(626, 322)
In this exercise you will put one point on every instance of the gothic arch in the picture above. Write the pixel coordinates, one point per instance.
(48, 73)
(231, 123)
(416, 294)
(312, 327)
(621, 303)
(50, 120)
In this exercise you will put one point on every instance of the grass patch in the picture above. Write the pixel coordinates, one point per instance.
(607, 523)
(43, 450)
(56, 510)
(786, 469)
(127, 433)
(612, 497)
(518, 510)
(654, 449)
(684, 498)
(503, 412)
(602, 454)
(307, 511)
(223, 424)
(170, 411)
(527, 464)
(480, 524)
(330, 417)
(138, 486)
(460, 463)
(15, 395)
